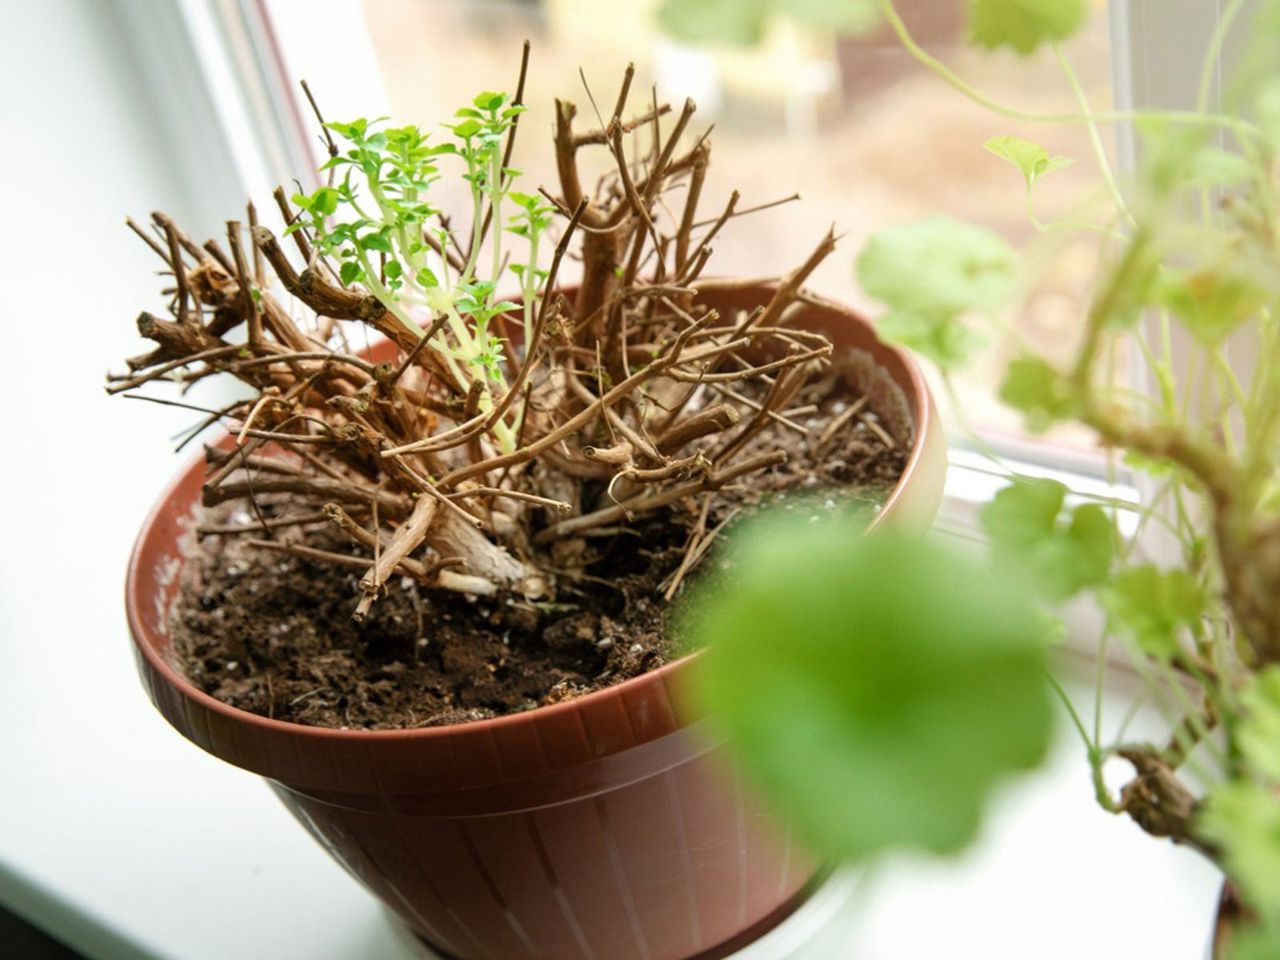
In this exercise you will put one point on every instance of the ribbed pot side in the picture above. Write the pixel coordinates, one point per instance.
(602, 827)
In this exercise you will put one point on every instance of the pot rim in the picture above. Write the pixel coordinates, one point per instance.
(148, 643)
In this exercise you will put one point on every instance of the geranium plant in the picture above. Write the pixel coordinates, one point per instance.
(916, 679)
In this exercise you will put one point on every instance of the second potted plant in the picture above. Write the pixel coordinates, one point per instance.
(1186, 583)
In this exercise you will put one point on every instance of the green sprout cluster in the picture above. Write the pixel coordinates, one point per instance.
(375, 223)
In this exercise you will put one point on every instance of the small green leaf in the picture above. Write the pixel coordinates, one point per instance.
(1031, 158)
(902, 683)
(1153, 606)
(467, 128)
(353, 131)
(426, 279)
(376, 241)
(1259, 731)
(1023, 25)
(1033, 387)
(1062, 551)
(348, 272)
(1243, 819)
(393, 270)
(489, 100)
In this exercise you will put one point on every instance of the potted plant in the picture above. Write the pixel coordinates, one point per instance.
(928, 674)
(422, 583)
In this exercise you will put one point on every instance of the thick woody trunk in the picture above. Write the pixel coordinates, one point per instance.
(451, 536)
(602, 262)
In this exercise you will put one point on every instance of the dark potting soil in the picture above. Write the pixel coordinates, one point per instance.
(273, 634)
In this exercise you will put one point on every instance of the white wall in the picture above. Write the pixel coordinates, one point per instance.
(81, 148)
(98, 796)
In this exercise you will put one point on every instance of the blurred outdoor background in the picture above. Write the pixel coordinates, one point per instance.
(851, 121)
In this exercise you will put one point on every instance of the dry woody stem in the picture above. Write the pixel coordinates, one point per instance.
(623, 396)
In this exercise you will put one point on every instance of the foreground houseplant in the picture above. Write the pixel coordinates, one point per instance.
(1190, 588)
(502, 463)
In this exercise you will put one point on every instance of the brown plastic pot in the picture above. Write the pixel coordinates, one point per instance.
(602, 827)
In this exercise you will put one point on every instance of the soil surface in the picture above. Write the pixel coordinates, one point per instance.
(272, 633)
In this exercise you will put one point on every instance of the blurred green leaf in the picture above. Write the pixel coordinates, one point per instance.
(743, 22)
(1259, 731)
(1023, 25)
(946, 341)
(842, 16)
(1153, 605)
(1267, 109)
(876, 689)
(1255, 943)
(1244, 820)
(1033, 387)
(1177, 156)
(1252, 85)
(1215, 299)
(1148, 465)
(938, 266)
(1212, 166)
(1167, 150)
(1032, 533)
(928, 274)
(695, 22)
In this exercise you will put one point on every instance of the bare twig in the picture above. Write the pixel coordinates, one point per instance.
(408, 536)
(644, 502)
